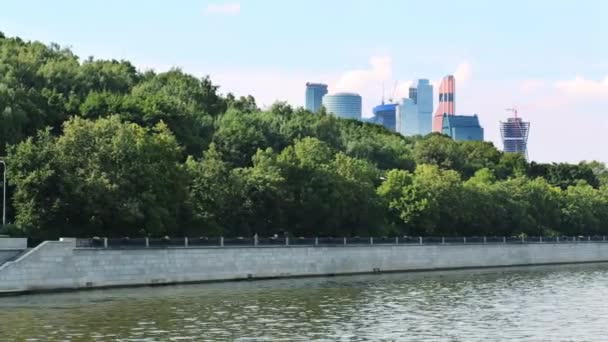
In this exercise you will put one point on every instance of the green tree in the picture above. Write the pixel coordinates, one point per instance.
(99, 177)
(440, 150)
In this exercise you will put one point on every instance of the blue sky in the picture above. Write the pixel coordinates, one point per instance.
(550, 58)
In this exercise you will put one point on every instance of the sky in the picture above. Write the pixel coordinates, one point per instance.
(548, 58)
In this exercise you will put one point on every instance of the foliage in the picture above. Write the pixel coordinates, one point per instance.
(99, 148)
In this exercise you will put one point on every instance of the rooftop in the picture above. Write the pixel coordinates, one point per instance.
(310, 84)
(462, 120)
(344, 94)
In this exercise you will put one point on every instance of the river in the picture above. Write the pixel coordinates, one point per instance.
(553, 303)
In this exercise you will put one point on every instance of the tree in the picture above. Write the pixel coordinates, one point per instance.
(479, 155)
(584, 210)
(440, 150)
(99, 177)
(564, 175)
(429, 204)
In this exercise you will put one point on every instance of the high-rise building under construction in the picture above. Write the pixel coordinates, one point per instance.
(514, 134)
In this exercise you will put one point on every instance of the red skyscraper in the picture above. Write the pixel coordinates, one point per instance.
(447, 102)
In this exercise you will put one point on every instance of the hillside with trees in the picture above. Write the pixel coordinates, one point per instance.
(100, 148)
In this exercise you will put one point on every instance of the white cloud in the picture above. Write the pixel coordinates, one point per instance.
(580, 86)
(357, 80)
(531, 85)
(228, 8)
(463, 73)
(403, 89)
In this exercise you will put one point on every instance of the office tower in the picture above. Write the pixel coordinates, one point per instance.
(514, 134)
(344, 105)
(462, 127)
(447, 102)
(415, 114)
(385, 115)
(314, 96)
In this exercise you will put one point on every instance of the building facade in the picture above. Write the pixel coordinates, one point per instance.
(344, 105)
(462, 127)
(415, 114)
(514, 134)
(447, 102)
(385, 115)
(314, 96)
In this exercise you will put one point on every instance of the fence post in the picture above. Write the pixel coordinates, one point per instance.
(540, 239)
(504, 239)
(420, 240)
(255, 240)
(589, 238)
(464, 239)
(396, 240)
(345, 240)
(557, 239)
(523, 239)
(443, 240)
(221, 241)
(316, 241)
(105, 242)
(287, 241)
(485, 240)
(185, 241)
(371, 240)
(147, 242)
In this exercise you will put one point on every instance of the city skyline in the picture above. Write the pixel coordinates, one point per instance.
(542, 56)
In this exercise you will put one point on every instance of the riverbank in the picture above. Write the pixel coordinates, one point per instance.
(61, 265)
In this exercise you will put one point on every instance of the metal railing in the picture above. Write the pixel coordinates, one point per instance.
(256, 241)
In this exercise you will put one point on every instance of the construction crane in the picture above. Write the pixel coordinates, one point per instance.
(514, 110)
(392, 98)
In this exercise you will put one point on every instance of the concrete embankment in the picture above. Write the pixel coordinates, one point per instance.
(11, 248)
(60, 265)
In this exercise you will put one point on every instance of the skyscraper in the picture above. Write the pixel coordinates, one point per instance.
(314, 96)
(514, 134)
(344, 105)
(385, 115)
(462, 127)
(415, 114)
(447, 102)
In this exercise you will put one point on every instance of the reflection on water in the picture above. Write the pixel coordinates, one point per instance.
(559, 303)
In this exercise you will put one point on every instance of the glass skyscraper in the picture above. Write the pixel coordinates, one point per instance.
(385, 115)
(314, 96)
(462, 127)
(447, 102)
(344, 105)
(415, 114)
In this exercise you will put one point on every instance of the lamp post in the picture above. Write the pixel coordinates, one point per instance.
(3, 193)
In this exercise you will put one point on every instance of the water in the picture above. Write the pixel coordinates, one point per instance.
(558, 303)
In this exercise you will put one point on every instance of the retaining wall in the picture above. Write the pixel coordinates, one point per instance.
(13, 243)
(60, 265)
(11, 247)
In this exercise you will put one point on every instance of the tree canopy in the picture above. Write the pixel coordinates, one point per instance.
(97, 147)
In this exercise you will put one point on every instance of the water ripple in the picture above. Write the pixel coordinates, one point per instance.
(564, 303)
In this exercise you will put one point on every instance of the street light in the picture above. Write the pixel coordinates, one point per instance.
(3, 194)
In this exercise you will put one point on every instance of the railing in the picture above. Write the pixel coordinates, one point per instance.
(256, 241)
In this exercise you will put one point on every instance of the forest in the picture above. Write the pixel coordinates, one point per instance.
(100, 148)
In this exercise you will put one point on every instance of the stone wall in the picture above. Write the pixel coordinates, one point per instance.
(60, 265)
(11, 247)
(13, 243)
